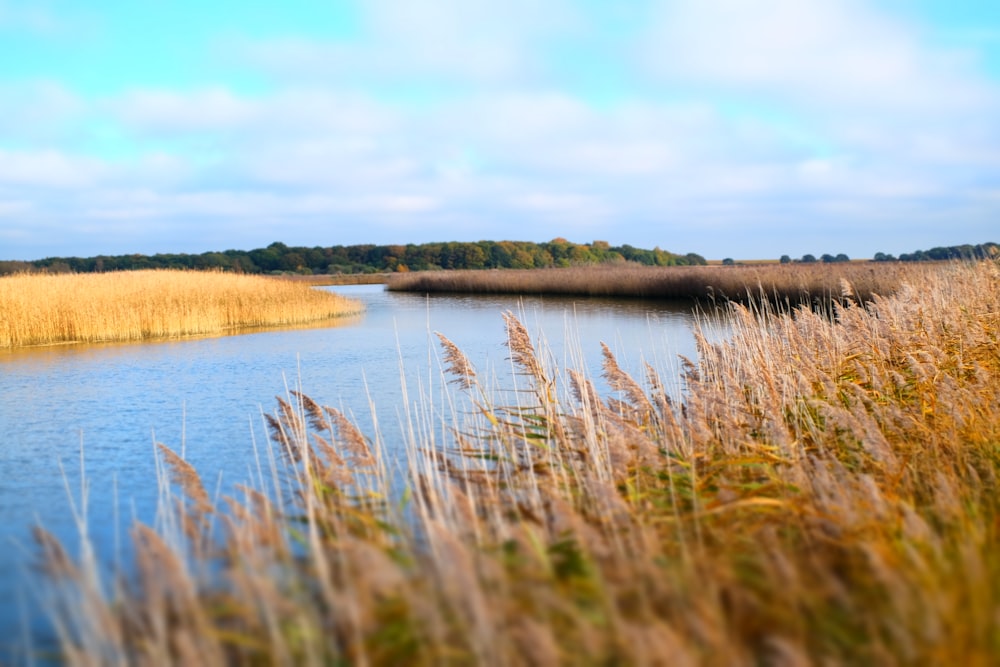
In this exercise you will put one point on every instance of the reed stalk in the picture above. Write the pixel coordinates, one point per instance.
(826, 491)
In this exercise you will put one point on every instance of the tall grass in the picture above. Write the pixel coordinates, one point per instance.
(795, 283)
(40, 309)
(826, 492)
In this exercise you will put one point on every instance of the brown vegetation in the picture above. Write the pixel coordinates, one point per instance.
(825, 491)
(41, 309)
(319, 279)
(795, 283)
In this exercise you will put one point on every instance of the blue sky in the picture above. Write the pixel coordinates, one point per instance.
(730, 128)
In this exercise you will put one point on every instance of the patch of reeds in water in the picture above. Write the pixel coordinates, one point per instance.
(826, 491)
(792, 283)
(38, 309)
(321, 279)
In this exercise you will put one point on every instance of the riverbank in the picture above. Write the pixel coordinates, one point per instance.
(825, 492)
(795, 283)
(41, 309)
(335, 279)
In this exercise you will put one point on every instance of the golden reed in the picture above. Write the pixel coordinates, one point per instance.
(38, 309)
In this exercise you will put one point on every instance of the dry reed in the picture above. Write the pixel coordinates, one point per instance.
(319, 279)
(827, 491)
(796, 283)
(40, 309)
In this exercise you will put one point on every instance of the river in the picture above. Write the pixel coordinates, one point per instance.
(101, 408)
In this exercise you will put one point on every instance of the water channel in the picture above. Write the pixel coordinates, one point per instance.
(204, 397)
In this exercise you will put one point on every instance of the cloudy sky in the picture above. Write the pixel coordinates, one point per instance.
(730, 128)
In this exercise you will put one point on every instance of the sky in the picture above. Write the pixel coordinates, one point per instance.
(730, 128)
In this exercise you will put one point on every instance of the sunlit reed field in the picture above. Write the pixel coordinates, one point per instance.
(38, 309)
(824, 492)
(794, 283)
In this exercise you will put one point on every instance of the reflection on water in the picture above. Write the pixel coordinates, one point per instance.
(204, 396)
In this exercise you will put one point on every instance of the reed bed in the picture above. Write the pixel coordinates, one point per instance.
(39, 309)
(322, 279)
(826, 492)
(780, 283)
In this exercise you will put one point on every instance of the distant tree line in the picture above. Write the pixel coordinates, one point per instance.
(978, 251)
(967, 251)
(280, 258)
(809, 259)
(805, 259)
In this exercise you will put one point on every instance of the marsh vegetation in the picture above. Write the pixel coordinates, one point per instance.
(778, 283)
(824, 492)
(41, 309)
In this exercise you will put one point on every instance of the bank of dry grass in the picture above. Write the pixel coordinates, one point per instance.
(321, 279)
(40, 309)
(825, 492)
(795, 283)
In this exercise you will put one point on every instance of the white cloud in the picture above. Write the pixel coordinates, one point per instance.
(49, 169)
(829, 52)
(473, 42)
(399, 204)
(472, 38)
(165, 111)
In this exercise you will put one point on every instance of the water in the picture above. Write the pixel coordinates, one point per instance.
(204, 397)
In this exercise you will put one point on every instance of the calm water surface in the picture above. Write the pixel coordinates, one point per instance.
(204, 397)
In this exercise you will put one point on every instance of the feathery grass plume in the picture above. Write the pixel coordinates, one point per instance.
(583, 390)
(522, 350)
(288, 429)
(621, 381)
(524, 356)
(668, 432)
(279, 435)
(54, 560)
(352, 438)
(313, 411)
(332, 467)
(291, 418)
(456, 363)
(186, 477)
(656, 388)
